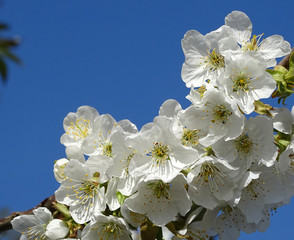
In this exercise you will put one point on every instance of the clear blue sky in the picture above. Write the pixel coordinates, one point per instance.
(121, 57)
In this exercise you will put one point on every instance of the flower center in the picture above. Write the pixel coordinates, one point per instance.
(252, 188)
(190, 137)
(111, 230)
(111, 227)
(220, 114)
(80, 129)
(159, 153)
(253, 44)
(107, 149)
(243, 144)
(89, 186)
(241, 81)
(201, 90)
(160, 189)
(208, 172)
(128, 161)
(214, 60)
(227, 209)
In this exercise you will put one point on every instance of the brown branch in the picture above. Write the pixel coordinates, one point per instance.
(5, 223)
(285, 61)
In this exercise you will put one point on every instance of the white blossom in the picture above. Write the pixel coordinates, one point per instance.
(40, 225)
(160, 201)
(78, 126)
(204, 55)
(267, 188)
(217, 114)
(255, 144)
(245, 81)
(268, 49)
(105, 228)
(159, 153)
(119, 166)
(211, 182)
(98, 142)
(81, 190)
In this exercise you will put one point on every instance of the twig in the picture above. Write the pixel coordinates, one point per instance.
(5, 223)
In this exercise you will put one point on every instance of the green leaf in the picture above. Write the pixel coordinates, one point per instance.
(63, 210)
(278, 75)
(289, 77)
(282, 141)
(281, 69)
(11, 56)
(3, 70)
(3, 26)
(291, 61)
(262, 108)
(121, 198)
(9, 42)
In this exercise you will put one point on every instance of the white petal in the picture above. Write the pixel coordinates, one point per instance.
(274, 47)
(43, 214)
(170, 108)
(75, 152)
(240, 24)
(282, 120)
(24, 222)
(127, 126)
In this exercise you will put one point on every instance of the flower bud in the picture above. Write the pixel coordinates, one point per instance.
(56, 229)
(59, 169)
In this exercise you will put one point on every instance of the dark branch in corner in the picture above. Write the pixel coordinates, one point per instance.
(285, 61)
(5, 223)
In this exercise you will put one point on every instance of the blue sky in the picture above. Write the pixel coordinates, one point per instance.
(121, 57)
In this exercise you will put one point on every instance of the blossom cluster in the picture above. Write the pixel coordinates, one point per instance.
(199, 172)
